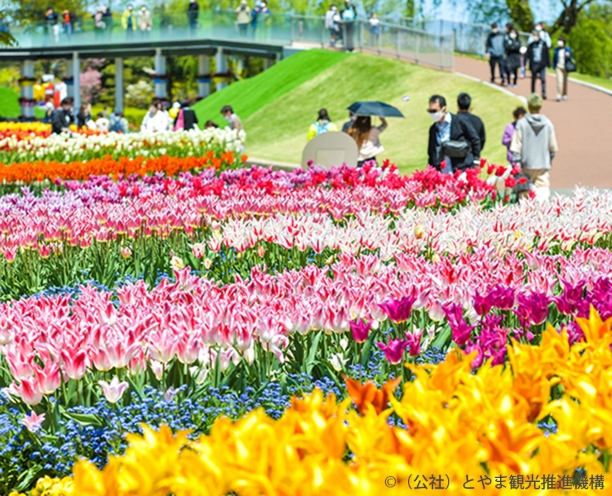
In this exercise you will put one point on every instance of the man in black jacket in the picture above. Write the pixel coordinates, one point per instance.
(62, 117)
(539, 61)
(450, 135)
(464, 102)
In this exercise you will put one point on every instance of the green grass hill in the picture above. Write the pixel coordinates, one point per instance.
(9, 103)
(278, 105)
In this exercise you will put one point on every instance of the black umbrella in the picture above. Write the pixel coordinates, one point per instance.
(378, 109)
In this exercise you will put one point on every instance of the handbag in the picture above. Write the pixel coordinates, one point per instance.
(455, 149)
(570, 66)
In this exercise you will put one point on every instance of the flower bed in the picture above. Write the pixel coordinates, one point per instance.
(518, 419)
(20, 147)
(178, 298)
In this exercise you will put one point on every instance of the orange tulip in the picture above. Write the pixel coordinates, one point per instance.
(367, 394)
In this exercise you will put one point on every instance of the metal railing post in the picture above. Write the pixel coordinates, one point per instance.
(361, 35)
(379, 41)
(301, 30)
(442, 52)
(398, 43)
(452, 68)
(418, 42)
(322, 23)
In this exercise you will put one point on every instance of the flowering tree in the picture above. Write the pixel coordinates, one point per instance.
(91, 85)
(139, 94)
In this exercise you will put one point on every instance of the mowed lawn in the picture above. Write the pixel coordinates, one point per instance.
(278, 105)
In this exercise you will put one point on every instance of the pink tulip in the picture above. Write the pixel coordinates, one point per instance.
(394, 351)
(113, 391)
(29, 392)
(360, 330)
(49, 378)
(75, 364)
(398, 310)
(414, 342)
(32, 421)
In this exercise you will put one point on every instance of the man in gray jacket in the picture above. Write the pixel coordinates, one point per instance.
(534, 145)
(496, 51)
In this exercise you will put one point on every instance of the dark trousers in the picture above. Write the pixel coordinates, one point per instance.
(512, 74)
(493, 61)
(540, 74)
(242, 29)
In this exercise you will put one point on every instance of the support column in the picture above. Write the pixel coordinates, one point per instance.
(267, 63)
(203, 76)
(222, 73)
(161, 78)
(69, 79)
(118, 85)
(27, 89)
(76, 87)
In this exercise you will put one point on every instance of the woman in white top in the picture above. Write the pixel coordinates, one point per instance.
(156, 120)
(367, 138)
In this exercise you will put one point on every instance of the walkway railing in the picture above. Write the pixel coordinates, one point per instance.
(406, 43)
(393, 40)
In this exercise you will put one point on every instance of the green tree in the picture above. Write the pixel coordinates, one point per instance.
(33, 11)
(591, 41)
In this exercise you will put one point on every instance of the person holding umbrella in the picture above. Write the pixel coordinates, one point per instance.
(365, 135)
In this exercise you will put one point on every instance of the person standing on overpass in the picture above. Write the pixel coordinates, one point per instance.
(193, 11)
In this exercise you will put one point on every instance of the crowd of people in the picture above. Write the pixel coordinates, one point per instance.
(63, 117)
(508, 56)
(456, 140)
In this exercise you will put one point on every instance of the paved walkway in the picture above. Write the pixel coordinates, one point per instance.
(583, 125)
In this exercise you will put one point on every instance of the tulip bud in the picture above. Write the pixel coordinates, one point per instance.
(207, 263)
(419, 232)
(126, 252)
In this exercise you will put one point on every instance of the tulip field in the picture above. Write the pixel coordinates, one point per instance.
(174, 324)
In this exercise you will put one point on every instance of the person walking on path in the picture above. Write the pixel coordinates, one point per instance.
(512, 47)
(518, 113)
(193, 11)
(453, 143)
(323, 124)
(367, 138)
(84, 115)
(243, 17)
(331, 25)
(128, 20)
(348, 24)
(540, 28)
(496, 52)
(464, 102)
(561, 57)
(534, 145)
(539, 61)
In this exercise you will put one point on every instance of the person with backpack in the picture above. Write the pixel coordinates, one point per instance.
(323, 124)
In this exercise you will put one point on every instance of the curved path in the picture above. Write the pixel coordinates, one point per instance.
(583, 125)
